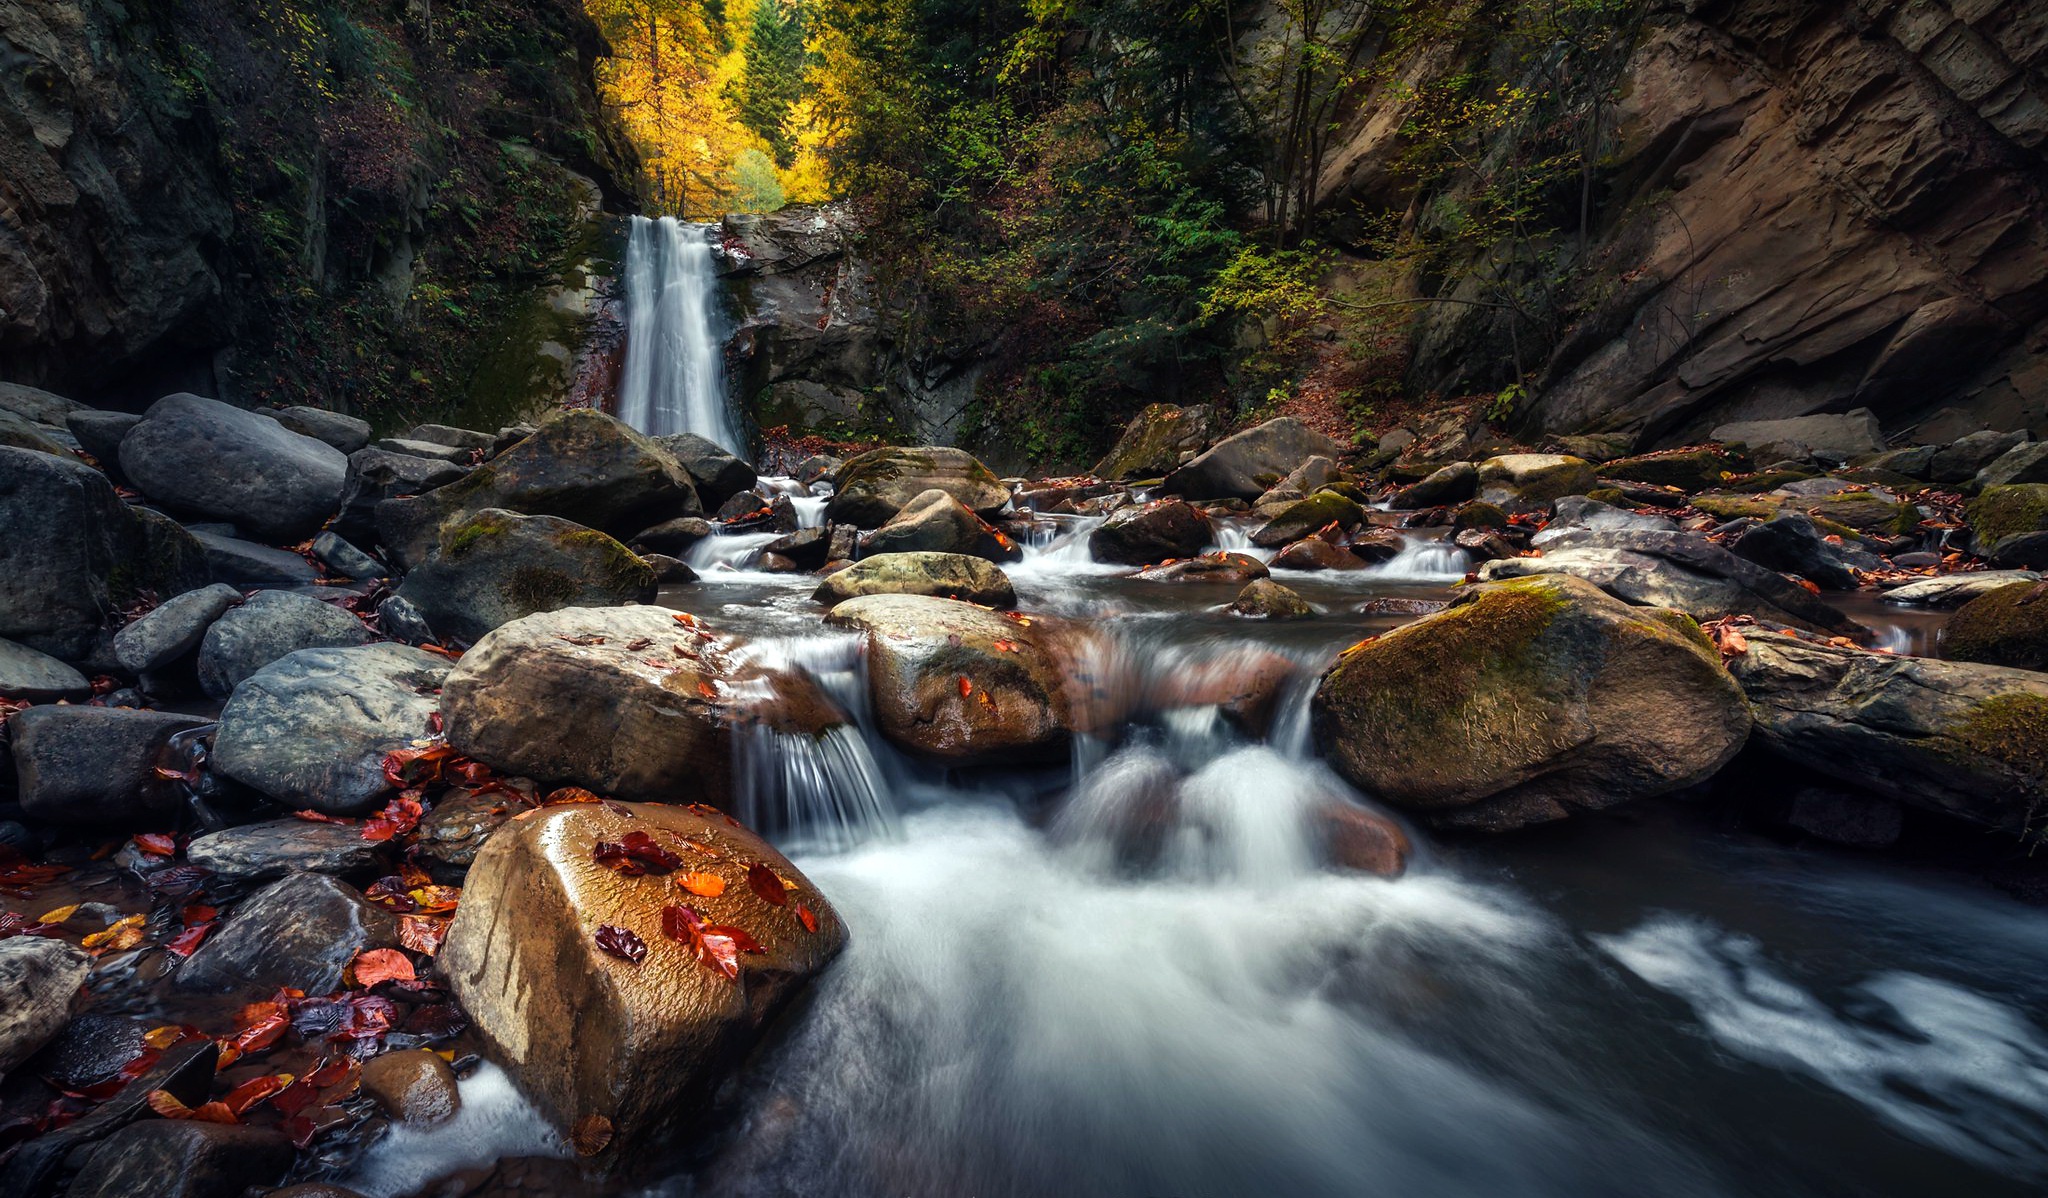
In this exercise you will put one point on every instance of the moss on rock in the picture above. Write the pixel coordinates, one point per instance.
(2000, 628)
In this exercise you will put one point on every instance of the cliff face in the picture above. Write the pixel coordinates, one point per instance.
(1805, 207)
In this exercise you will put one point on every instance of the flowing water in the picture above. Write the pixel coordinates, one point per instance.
(674, 377)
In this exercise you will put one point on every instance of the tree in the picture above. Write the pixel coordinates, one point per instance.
(772, 81)
(754, 185)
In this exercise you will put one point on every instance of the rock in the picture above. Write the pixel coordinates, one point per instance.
(1362, 840)
(1477, 514)
(1153, 532)
(1836, 438)
(1314, 553)
(300, 932)
(1527, 701)
(942, 687)
(454, 455)
(274, 848)
(457, 438)
(582, 465)
(566, 697)
(20, 434)
(874, 486)
(1867, 512)
(1789, 542)
(412, 1085)
(1681, 570)
(71, 553)
(1960, 460)
(234, 562)
(39, 406)
(375, 475)
(1265, 599)
(804, 549)
(932, 522)
(172, 629)
(1581, 512)
(1242, 681)
(2024, 463)
(183, 1158)
(265, 627)
(1246, 464)
(1954, 590)
(1156, 441)
(346, 560)
(1230, 568)
(672, 537)
(585, 1033)
(1304, 517)
(312, 728)
(399, 619)
(1533, 479)
(1914, 462)
(100, 433)
(38, 677)
(95, 766)
(2009, 525)
(344, 432)
(38, 980)
(669, 570)
(2003, 627)
(1454, 483)
(214, 460)
(745, 507)
(944, 575)
(1375, 545)
(1858, 821)
(1484, 545)
(1594, 447)
(454, 832)
(496, 566)
(818, 468)
(1957, 738)
(718, 475)
(1693, 469)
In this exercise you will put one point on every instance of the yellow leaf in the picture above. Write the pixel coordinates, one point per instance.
(58, 914)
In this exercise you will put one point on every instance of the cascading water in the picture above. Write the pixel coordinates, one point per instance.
(674, 378)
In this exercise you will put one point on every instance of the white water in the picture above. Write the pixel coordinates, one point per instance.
(674, 378)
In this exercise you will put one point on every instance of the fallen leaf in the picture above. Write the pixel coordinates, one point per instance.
(187, 942)
(621, 942)
(163, 1037)
(635, 855)
(58, 914)
(410, 767)
(685, 618)
(703, 885)
(156, 844)
(806, 917)
(255, 1090)
(713, 945)
(707, 690)
(966, 687)
(569, 794)
(422, 934)
(120, 936)
(318, 817)
(763, 882)
(591, 1135)
(436, 900)
(399, 816)
(375, 966)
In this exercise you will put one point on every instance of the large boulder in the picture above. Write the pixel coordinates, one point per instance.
(265, 627)
(958, 682)
(37, 677)
(36, 405)
(39, 978)
(1957, 738)
(183, 1158)
(933, 522)
(1264, 599)
(239, 563)
(1789, 542)
(944, 575)
(212, 459)
(271, 849)
(172, 629)
(375, 475)
(1524, 480)
(495, 566)
(1223, 568)
(312, 729)
(1954, 590)
(1244, 465)
(1454, 483)
(1142, 534)
(346, 433)
(1835, 437)
(71, 553)
(2024, 463)
(717, 474)
(1305, 516)
(2009, 524)
(1157, 440)
(2003, 627)
(1693, 469)
(301, 931)
(96, 766)
(1961, 459)
(627, 701)
(874, 486)
(1527, 701)
(636, 1043)
(582, 465)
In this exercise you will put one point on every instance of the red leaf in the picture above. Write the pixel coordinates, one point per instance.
(392, 894)
(434, 723)
(763, 882)
(807, 918)
(966, 687)
(635, 855)
(621, 942)
(712, 945)
(405, 768)
(322, 818)
(156, 844)
(187, 942)
(378, 965)
(569, 794)
(422, 934)
(253, 1091)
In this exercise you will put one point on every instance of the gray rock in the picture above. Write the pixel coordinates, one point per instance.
(673, 537)
(346, 560)
(498, 566)
(1578, 512)
(1157, 439)
(1790, 542)
(1834, 437)
(38, 406)
(458, 438)
(100, 433)
(26, 673)
(1914, 461)
(819, 467)
(932, 522)
(1954, 590)
(400, 620)
(2023, 463)
(1961, 459)
(717, 474)
(266, 627)
(183, 1158)
(669, 570)
(301, 932)
(311, 729)
(345, 433)
(206, 457)
(240, 563)
(39, 978)
(1153, 532)
(375, 475)
(452, 454)
(21, 434)
(95, 766)
(173, 629)
(1454, 483)
(1246, 464)
(1264, 599)
(874, 486)
(261, 852)
(945, 575)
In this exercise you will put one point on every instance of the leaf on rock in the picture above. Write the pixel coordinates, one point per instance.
(187, 942)
(410, 767)
(621, 942)
(156, 844)
(375, 966)
(702, 885)
(422, 934)
(634, 855)
(569, 794)
(714, 945)
(435, 900)
(591, 1135)
(966, 686)
(318, 817)
(392, 894)
(806, 917)
(120, 936)
(765, 885)
(253, 1091)
(399, 816)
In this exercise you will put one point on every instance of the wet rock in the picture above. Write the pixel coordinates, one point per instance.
(1156, 441)
(1581, 512)
(413, 1086)
(1247, 464)
(95, 766)
(1527, 701)
(39, 978)
(1154, 532)
(434, 450)
(236, 562)
(2023, 464)
(1243, 683)
(1952, 737)
(1858, 821)
(467, 439)
(344, 432)
(38, 677)
(818, 468)
(1362, 840)
(944, 575)
(2009, 525)
(743, 507)
(1687, 469)
(1306, 516)
(803, 549)
(274, 848)
(454, 832)
(1265, 599)
(2003, 627)
(346, 560)
(496, 566)
(400, 620)
(311, 729)
(874, 486)
(718, 475)
(1789, 542)
(1954, 590)
(172, 629)
(35, 404)
(183, 1158)
(1961, 459)
(1523, 480)
(301, 932)
(91, 1049)
(932, 522)
(1484, 545)
(582, 465)
(1454, 483)
(1477, 514)
(1832, 437)
(1232, 568)
(265, 627)
(100, 433)
(585, 1033)
(669, 570)
(673, 537)
(1376, 545)
(1867, 512)
(214, 460)
(1314, 553)
(959, 683)
(375, 475)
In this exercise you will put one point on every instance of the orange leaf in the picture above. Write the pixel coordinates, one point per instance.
(376, 965)
(806, 917)
(702, 885)
(592, 1134)
(156, 844)
(707, 690)
(255, 1090)
(966, 687)
(422, 934)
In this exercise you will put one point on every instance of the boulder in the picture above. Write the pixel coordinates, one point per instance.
(20, 434)
(183, 1158)
(2009, 524)
(265, 627)
(717, 475)
(375, 475)
(2024, 463)
(1246, 464)
(37, 405)
(467, 439)
(1228, 568)
(818, 468)
(239, 563)
(1142, 534)
(1867, 512)
(1304, 517)
(1694, 469)
(1957, 738)
(311, 729)
(582, 465)
(299, 932)
(400, 620)
(1314, 553)
(1954, 590)
(1523, 480)
(804, 549)
(1156, 441)
(944, 575)
(1961, 459)
(71, 553)
(344, 432)
(454, 455)
(958, 682)
(1830, 436)
(215, 460)
(451, 835)
(1264, 599)
(1375, 545)
(1527, 701)
(1361, 840)
(1580, 512)
(874, 486)
(674, 538)
(38, 677)
(172, 629)
(1790, 543)
(39, 978)
(933, 522)
(274, 848)
(1913, 462)
(1454, 483)
(2003, 627)
(496, 566)
(100, 433)
(345, 560)
(627, 701)
(587, 1034)
(1477, 514)
(96, 766)
(413, 1086)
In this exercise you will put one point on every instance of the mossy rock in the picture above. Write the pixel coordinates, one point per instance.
(1305, 516)
(499, 566)
(874, 486)
(1768, 480)
(2012, 731)
(1876, 477)
(2004, 627)
(1352, 491)
(1723, 506)
(1688, 469)
(1153, 442)
(1611, 496)
(1534, 478)
(1478, 514)
(1866, 513)
(2010, 524)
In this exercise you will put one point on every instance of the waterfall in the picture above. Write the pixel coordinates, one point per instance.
(674, 379)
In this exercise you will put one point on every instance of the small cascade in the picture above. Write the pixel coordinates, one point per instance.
(827, 792)
(674, 380)
(1422, 561)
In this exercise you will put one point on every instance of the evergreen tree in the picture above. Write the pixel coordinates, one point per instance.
(772, 80)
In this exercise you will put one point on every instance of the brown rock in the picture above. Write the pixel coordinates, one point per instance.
(413, 1086)
(1314, 553)
(1361, 839)
(1210, 567)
